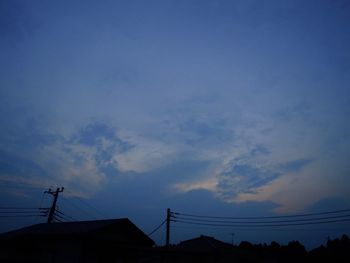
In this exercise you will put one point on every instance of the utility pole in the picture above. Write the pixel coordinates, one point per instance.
(53, 206)
(168, 215)
(232, 234)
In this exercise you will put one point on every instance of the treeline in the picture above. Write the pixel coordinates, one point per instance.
(335, 250)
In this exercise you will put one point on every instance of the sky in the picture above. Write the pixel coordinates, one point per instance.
(225, 108)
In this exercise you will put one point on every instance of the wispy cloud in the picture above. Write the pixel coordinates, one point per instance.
(209, 185)
(82, 160)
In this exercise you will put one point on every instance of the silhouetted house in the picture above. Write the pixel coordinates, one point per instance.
(116, 240)
(203, 244)
(202, 249)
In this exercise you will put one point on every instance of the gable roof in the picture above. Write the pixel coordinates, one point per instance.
(203, 243)
(117, 230)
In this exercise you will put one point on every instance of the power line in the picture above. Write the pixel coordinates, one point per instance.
(97, 211)
(77, 207)
(90, 206)
(42, 198)
(197, 227)
(70, 201)
(155, 230)
(57, 219)
(183, 220)
(64, 215)
(263, 217)
(31, 215)
(17, 212)
(61, 217)
(292, 228)
(12, 207)
(264, 222)
(262, 225)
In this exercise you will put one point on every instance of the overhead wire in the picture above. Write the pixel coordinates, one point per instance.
(262, 217)
(14, 207)
(64, 215)
(266, 222)
(30, 215)
(284, 229)
(327, 217)
(18, 212)
(261, 225)
(15, 212)
(76, 207)
(57, 219)
(157, 228)
(44, 210)
(59, 216)
(91, 206)
(21, 211)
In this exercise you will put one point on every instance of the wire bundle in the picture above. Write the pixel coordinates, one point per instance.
(62, 217)
(267, 221)
(17, 212)
(157, 228)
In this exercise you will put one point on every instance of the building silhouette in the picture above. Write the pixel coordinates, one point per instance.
(72, 242)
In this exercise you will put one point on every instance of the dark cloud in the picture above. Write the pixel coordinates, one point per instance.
(259, 149)
(106, 143)
(92, 134)
(244, 178)
(30, 152)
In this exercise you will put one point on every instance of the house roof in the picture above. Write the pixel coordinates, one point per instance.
(117, 230)
(203, 243)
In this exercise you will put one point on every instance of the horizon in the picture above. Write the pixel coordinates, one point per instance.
(217, 108)
(236, 244)
(316, 222)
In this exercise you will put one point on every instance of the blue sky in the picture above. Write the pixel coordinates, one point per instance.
(225, 107)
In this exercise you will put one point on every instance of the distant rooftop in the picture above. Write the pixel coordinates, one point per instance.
(203, 242)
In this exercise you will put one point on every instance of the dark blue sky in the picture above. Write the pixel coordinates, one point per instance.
(210, 107)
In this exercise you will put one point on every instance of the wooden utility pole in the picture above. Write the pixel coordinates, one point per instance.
(53, 206)
(168, 215)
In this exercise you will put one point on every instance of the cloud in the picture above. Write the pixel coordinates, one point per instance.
(83, 160)
(147, 154)
(244, 178)
(253, 176)
(209, 185)
(292, 186)
(220, 94)
(294, 192)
